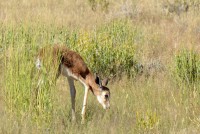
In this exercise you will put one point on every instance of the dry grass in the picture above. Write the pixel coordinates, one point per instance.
(149, 103)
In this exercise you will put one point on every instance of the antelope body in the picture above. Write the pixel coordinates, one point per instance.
(71, 64)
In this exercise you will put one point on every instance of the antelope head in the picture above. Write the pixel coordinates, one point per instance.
(104, 96)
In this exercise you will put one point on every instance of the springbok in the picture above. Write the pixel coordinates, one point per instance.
(72, 65)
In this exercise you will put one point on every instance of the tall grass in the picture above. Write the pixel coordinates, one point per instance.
(103, 49)
(112, 47)
(187, 66)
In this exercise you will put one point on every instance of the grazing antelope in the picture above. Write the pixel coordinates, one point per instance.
(72, 65)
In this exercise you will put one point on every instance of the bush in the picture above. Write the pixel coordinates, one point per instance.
(109, 50)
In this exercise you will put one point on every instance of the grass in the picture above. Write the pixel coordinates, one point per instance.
(187, 66)
(154, 83)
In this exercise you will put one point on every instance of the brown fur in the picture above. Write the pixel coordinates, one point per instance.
(72, 65)
(73, 61)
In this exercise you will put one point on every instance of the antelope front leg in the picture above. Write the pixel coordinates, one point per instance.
(84, 105)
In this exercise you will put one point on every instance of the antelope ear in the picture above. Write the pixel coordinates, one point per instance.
(98, 81)
(105, 82)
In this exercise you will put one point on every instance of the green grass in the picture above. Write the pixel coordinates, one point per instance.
(151, 57)
(187, 66)
(141, 106)
(104, 52)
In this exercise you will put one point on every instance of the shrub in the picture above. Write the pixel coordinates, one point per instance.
(109, 50)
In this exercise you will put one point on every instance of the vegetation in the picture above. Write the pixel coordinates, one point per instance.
(148, 49)
(187, 66)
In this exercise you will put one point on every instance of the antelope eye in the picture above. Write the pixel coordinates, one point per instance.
(106, 96)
